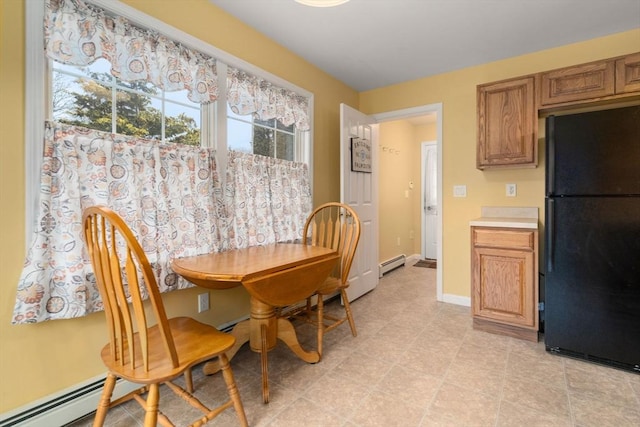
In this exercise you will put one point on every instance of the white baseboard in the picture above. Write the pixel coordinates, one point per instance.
(456, 299)
(413, 258)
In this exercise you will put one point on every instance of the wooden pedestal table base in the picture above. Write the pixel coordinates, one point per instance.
(275, 276)
(266, 330)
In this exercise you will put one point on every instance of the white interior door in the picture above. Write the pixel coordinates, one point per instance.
(360, 191)
(430, 200)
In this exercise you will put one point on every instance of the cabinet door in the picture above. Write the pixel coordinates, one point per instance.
(507, 124)
(628, 74)
(503, 288)
(582, 82)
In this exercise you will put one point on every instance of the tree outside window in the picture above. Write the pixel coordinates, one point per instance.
(85, 96)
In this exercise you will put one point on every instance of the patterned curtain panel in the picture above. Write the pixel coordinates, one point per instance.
(168, 194)
(268, 199)
(78, 34)
(248, 94)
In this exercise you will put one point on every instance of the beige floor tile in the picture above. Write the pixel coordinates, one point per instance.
(511, 415)
(530, 365)
(416, 362)
(536, 395)
(303, 412)
(362, 368)
(609, 387)
(589, 411)
(381, 409)
(463, 407)
(415, 388)
(337, 393)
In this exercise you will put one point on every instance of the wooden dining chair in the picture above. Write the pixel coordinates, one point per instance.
(336, 226)
(138, 352)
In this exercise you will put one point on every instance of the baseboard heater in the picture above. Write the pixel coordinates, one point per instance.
(66, 406)
(392, 264)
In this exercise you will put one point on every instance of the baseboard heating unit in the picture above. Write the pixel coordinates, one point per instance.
(392, 264)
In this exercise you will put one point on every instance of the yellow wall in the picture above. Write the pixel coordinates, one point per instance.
(457, 93)
(40, 359)
(37, 360)
(395, 153)
(400, 210)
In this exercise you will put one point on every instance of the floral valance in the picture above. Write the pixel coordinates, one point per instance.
(248, 94)
(79, 34)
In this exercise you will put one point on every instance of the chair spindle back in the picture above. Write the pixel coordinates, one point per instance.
(336, 226)
(119, 263)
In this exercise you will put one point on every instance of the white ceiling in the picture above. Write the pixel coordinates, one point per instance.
(369, 44)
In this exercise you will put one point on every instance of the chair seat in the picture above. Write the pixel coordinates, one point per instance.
(195, 342)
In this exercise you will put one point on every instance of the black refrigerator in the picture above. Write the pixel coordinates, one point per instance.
(592, 236)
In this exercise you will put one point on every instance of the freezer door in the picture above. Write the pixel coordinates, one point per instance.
(592, 278)
(595, 153)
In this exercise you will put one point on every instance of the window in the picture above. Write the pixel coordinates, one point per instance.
(265, 137)
(91, 97)
(180, 118)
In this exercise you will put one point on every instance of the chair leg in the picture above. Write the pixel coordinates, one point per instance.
(188, 380)
(347, 309)
(105, 400)
(232, 388)
(151, 407)
(264, 363)
(320, 319)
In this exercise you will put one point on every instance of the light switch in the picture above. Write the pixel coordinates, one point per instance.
(459, 191)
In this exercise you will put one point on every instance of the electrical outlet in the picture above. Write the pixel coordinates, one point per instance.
(398, 241)
(203, 302)
(511, 190)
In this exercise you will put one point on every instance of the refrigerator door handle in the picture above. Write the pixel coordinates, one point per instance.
(551, 155)
(550, 218)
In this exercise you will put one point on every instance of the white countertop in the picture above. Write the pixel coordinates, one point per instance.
(530, 223)
(509, 217)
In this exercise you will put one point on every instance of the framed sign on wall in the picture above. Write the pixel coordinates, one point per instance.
(360, 155)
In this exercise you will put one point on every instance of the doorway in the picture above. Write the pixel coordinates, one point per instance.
(429, 199)
(412, 114)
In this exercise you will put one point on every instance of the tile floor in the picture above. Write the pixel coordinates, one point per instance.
(415, 362)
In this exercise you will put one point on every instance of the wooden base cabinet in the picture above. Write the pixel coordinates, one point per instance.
(504, 297)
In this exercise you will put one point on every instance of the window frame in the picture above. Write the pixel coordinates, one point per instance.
(37, 95)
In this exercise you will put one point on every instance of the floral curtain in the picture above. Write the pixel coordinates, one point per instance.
(78, 34)
(248, 94)
(168, 194)
(268, 199)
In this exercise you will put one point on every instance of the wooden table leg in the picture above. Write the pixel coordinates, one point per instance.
(242, 333)
(287, 334)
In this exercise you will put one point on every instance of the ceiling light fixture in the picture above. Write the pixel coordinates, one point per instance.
(321, 3)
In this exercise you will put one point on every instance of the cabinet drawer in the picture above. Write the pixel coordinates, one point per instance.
(503, 238)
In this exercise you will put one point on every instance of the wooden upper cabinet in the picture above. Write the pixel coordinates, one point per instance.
(507, 124)
(628, 74)
(581, 82)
